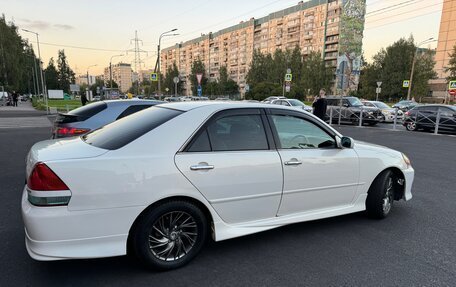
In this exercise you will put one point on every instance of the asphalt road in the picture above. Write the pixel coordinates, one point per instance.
(415, 246)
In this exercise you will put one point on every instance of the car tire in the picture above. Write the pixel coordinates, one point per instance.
(380, 196)
(354, 120)
(161, 244)
(411, 126)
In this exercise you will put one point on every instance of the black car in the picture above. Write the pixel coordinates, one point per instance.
(425, 118)
(350, 111)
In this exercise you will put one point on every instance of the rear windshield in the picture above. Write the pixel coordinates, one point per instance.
(88, 111)
(121, 132)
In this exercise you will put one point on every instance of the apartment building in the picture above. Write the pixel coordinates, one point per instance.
(122, 74)
(446, 42)
(313, 25)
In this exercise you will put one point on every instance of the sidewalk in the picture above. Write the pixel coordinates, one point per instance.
(23, 116)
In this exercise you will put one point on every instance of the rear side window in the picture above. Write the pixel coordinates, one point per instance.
(89, 111)
(132, 109)
(232, 133)
(119, 133)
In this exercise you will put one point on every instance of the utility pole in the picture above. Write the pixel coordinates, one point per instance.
(43, 84)
(164, 34)
(137, 62)
(409, 91)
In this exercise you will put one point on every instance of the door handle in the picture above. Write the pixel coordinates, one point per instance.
(293, 162)
(201, 167)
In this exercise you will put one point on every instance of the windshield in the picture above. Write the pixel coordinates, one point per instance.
(355, 102)
(381, 105)
(296, 103)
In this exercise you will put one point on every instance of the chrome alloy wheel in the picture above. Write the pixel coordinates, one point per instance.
(411, 126)
(173, 235)
(388, 197)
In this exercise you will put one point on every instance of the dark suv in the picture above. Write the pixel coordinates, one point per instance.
(351, 111)
(425, 117)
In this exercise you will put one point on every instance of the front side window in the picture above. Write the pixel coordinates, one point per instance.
(355, 102)
(298, 133)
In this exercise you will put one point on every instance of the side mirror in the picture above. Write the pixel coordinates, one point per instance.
(346, 142)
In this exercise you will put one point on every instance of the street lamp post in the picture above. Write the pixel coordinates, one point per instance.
(158, 56)
(88, 81)
(110, 69)
(409, 91)
(43, 84)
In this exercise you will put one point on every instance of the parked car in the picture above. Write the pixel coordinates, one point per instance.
(136, 185)
(199, 98)
(405, 105)
(388, 113)
(4, 98)
(222, 99)
(172, 99)
(425, 118)
(95, 115)
(350, 111)
(96, 98)
(297, 104)
(269, 100)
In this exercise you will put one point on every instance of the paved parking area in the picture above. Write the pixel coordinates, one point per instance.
(415, 246)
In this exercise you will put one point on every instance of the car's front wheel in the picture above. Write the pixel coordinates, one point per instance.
(170, 235)
(411, 126)
(380, 196)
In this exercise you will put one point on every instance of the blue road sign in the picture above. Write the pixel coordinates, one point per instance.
(200, 91)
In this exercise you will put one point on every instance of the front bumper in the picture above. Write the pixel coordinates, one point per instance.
(55, 233)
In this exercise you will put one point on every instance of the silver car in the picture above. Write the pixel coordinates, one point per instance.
(293, 103)
(95, 115)
(388, 113)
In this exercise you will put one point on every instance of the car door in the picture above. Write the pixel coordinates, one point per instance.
(447, 118)
(427, 116)
(317, 174)
(233, 162)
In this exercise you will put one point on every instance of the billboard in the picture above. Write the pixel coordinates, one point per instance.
(350, 44)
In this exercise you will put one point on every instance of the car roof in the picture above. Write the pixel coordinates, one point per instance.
(132, 102)
(218, 105)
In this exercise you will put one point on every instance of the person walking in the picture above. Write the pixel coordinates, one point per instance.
(320, 105)
(15, 98)
(83, 99)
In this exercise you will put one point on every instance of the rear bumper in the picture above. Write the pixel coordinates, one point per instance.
(55, 233)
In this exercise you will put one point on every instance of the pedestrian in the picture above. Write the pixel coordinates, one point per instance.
(83, 99)
(320, 105)
(15, 98)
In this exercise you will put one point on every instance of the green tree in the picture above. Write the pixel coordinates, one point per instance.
(16, 59)
(315, 75)
(114, 84)
(451, 68)
(51, 74)
(392, 66)
(198, 67)
(168, 81)
(99, 83)
(66, 76)
(226, 86)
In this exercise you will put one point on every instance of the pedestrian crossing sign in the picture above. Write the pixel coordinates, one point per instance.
(288, 77)
(154, 77)
(405, 83)
(452, 85)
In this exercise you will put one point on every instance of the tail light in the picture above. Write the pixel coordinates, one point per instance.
(62, 132)
(45, 188)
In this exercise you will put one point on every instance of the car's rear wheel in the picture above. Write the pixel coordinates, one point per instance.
(411, 126)
(170, 235)
(380, 196)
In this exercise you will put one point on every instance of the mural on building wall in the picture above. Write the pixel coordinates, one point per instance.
(350, 44)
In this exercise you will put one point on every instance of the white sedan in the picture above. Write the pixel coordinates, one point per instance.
(158, 183)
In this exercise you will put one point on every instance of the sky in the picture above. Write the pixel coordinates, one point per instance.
(105, 28)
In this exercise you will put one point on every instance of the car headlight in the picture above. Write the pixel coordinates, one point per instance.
(370, 113)
(406, 160)
(387, 113)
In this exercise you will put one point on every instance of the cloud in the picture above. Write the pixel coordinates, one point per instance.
(43, 25)
(64, 26)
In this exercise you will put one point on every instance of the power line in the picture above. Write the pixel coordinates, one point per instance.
(386, 8)
(410, 11)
